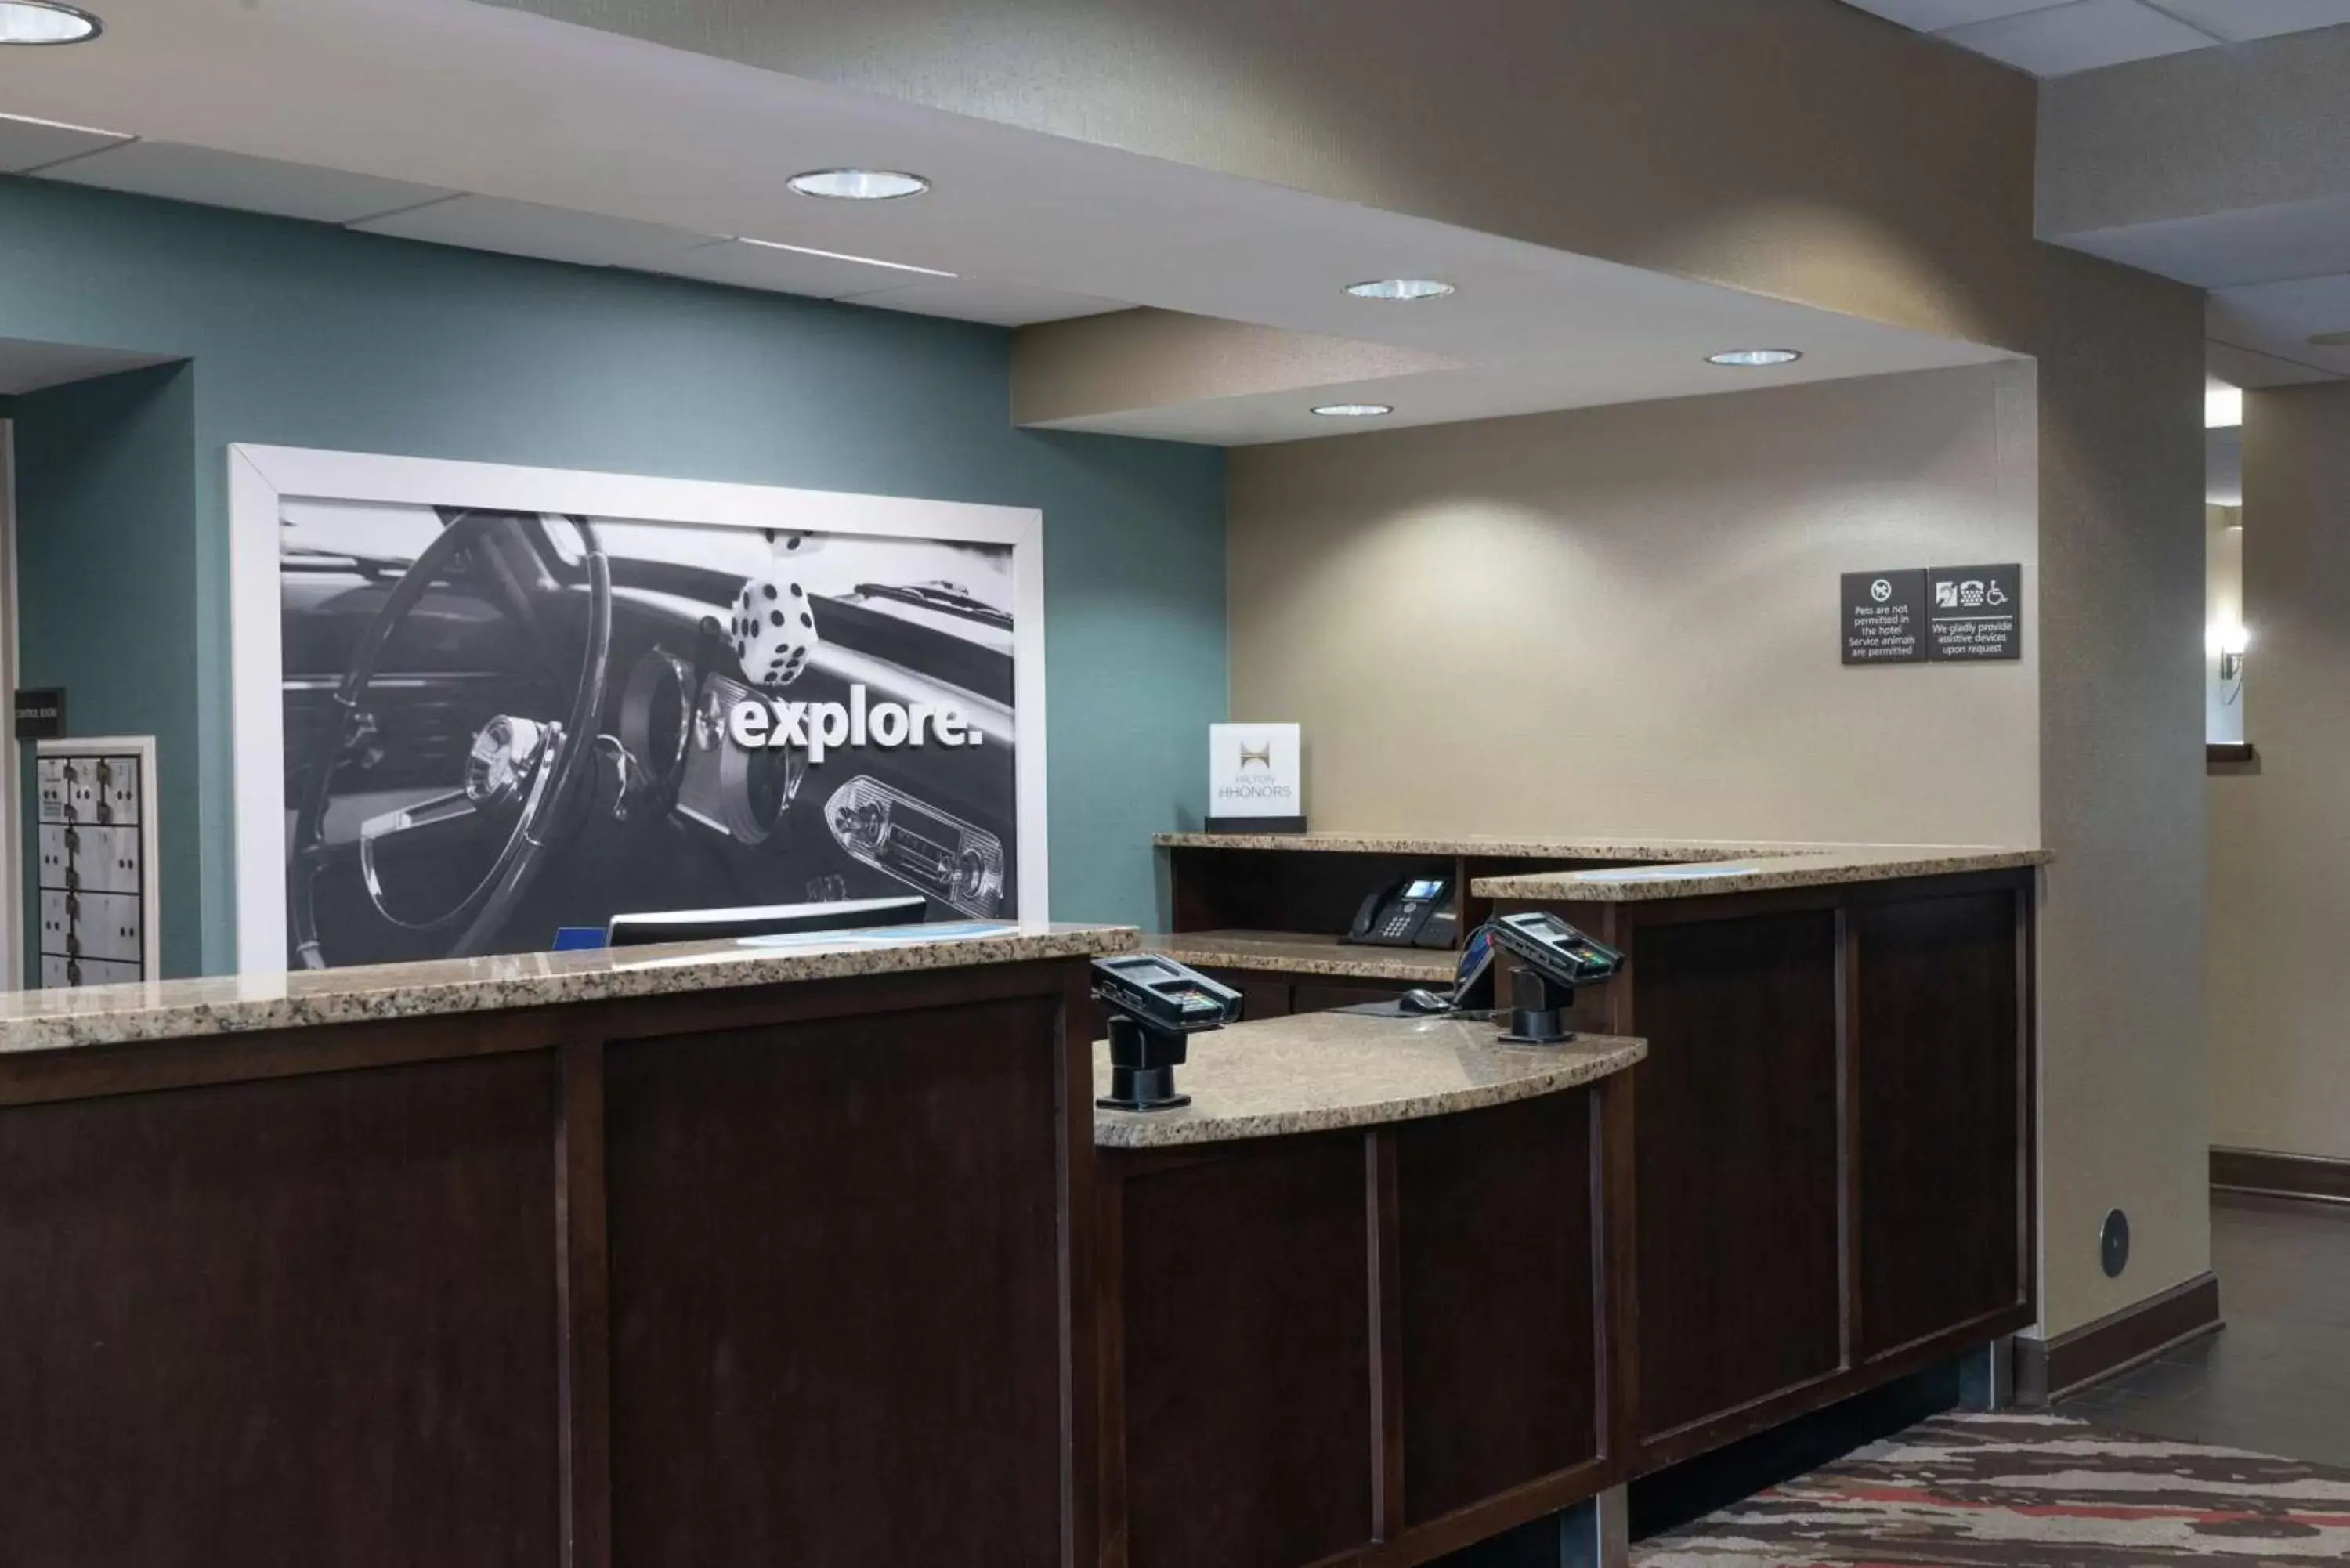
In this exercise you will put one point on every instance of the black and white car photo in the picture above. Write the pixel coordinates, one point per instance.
(502, 723)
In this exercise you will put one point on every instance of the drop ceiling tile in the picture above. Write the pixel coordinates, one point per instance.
(27, 143)
(526, 229)
(2081, 37)
(977, 300)
(217, 179)
(1938, 16)
(784, 272)
(2238, 20)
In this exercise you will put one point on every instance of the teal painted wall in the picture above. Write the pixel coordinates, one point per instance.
(106, 473)
(300, 335)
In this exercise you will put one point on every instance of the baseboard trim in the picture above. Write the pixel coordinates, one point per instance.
(2048, 1369)
(2282, 1175)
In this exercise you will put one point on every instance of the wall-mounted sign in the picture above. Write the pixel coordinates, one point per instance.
(1975, 612)
(1257, 778)
(828, 696)
(41, 712)
(1885, 617)
(1942, 614)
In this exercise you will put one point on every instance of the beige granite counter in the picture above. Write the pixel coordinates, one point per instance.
(1319, 1072)
(1643, 869)
(162, 1010)
(1297, 952)
(1616, 847)
(1813, 866)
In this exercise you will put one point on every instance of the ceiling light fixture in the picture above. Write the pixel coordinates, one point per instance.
(1400, 289)
(1755, 359)
(843, 255)
(2223, 408)
(66, 125)
(858, 184)
(45, 22)
(1354, 411)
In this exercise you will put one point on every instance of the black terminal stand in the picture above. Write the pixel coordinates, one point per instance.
(1142, 1062)
(1155, 1006)
(1537, 1006)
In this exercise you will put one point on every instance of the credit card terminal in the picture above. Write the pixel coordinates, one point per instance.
(1553, 959)
(1155, 1006)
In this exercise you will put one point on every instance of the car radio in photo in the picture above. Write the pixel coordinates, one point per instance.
(499, 724)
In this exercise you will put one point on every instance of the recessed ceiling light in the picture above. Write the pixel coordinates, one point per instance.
(1354, 411)
(45, 22)
(1400, 289)
(842, 255)
(1753, 358)
(858, 184)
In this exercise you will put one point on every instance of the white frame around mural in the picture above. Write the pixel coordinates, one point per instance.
(261, 477)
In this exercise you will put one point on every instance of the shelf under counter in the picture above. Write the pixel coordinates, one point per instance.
(1300, 953)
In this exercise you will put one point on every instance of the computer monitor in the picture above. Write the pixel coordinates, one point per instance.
(762, 921)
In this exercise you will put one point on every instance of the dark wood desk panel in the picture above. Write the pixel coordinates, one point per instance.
(341, 1294)
(836, 1291)
(1242, 1395)
(1368, 1348)
(1938, 1033)
(304, 1321)
(1498, 1282)
(1739, 1269)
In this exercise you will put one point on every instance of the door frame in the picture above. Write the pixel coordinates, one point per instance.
(12, 823)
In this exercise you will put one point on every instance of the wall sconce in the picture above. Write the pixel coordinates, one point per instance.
(2231, 642)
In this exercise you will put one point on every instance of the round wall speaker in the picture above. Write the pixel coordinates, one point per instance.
(2113, 1244)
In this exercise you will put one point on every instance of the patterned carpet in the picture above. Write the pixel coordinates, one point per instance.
(2016, 1491)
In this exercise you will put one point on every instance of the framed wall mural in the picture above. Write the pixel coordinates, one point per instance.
(476, 703)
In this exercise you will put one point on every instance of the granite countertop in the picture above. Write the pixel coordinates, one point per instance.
(1319, 1071)
(1810, 865)
(1646, 868)
(161, 1010)
(1607, 847)
(1297, 952)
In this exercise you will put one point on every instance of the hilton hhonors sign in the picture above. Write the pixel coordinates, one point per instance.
(1257, 778)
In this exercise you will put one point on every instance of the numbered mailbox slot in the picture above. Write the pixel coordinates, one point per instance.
(117, 786)
(107, 859)
(108, 928)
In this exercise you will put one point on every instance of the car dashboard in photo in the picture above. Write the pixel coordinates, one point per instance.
(408, 844)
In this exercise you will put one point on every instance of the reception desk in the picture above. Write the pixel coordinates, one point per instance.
(1359, 1300)
(819, 1253)
(1830, 1185)
(703, 1256)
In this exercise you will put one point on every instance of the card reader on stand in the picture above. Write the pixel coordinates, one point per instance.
(1155, 1006)
(1553, 958)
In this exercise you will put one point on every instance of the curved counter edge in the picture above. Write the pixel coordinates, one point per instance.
(1327, 1072)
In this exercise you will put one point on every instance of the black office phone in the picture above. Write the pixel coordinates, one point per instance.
(1417, 912)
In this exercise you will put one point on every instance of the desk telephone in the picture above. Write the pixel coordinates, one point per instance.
(1417, 912)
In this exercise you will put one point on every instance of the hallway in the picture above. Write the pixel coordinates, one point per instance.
(2276, 1380)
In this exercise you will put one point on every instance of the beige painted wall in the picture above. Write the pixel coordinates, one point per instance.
(2124, 1111)
(1625, 619)
(2279, 997)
